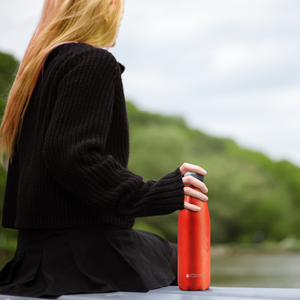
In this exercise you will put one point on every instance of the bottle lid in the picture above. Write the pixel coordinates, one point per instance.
(194, 174)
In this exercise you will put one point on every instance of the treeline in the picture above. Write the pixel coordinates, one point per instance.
(248, 192)
(8, 68)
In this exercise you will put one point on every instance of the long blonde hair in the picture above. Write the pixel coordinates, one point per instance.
(95, 22)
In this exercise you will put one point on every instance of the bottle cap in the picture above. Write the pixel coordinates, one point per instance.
(194, 174)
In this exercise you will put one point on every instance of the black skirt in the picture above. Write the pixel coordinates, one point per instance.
(94, 259)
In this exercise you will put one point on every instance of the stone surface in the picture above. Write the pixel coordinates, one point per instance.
(174, 293)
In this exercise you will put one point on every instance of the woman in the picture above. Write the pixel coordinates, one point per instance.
(69, 192)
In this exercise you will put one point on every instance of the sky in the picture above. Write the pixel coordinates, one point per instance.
(230, 68)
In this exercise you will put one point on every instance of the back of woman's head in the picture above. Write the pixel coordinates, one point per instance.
(90, 21)
(95, 22)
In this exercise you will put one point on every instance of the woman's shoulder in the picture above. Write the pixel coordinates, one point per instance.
(85, 52)
(78, 60)
(71, 55)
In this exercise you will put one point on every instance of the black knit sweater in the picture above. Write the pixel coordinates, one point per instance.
(70, 164)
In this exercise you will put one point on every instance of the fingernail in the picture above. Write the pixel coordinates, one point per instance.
(206, 198)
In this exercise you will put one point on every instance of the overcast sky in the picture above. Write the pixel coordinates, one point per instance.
(229, 67)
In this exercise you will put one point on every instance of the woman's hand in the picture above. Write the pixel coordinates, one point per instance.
(199, 185)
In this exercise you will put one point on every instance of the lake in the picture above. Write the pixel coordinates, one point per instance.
(256, 270)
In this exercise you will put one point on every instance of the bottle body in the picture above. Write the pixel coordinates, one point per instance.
(194, 247)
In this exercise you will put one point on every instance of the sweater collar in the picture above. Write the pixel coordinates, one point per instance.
(122, 68)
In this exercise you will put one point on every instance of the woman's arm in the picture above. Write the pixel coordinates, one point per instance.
(74, 149)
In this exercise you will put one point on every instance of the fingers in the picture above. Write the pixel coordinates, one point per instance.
(190, 180)
(191, 207)
(201, 189)
(195, 194)
(189, 167)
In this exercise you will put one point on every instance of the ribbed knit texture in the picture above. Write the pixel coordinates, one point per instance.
(70, 165)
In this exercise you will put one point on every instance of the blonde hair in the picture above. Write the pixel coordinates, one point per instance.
(94, 22)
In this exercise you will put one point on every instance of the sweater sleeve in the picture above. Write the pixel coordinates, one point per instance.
(74, 147)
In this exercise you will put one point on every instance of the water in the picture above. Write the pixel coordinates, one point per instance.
(256, 270)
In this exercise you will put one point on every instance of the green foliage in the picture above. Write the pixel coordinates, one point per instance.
(248, 191)
(243, 200)
(8, 67)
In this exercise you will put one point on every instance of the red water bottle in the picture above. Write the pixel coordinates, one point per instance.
(193, 243)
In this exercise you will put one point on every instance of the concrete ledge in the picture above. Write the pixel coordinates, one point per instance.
(174, 293)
